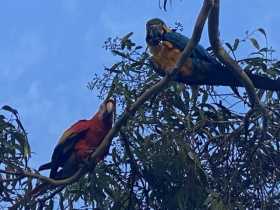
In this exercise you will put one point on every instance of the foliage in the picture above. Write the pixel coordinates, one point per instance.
(186, 148)
(189, 143)
(14, 154)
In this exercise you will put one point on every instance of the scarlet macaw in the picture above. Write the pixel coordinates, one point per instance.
(200, 68)
(75, 147)
(79, 141)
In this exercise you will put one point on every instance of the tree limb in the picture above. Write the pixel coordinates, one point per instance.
(45, 179)
(224, 57)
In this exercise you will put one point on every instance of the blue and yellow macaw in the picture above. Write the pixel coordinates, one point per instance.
(201, 68)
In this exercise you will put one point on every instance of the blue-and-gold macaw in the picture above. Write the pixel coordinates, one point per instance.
(201, 68)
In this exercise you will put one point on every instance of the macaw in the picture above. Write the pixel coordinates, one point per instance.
(201, 68)
(75, 147)
(79, 141)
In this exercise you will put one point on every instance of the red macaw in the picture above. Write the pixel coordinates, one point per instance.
(79, 141)
(200, 68)
(75, 146)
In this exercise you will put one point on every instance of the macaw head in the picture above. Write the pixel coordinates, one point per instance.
(155, 28)
(107, 110)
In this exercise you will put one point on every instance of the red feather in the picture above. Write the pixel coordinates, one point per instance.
(79, 141)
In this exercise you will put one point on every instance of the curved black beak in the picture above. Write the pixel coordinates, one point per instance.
(154, 34)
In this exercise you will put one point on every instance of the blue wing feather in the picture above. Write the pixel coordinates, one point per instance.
(179, 41)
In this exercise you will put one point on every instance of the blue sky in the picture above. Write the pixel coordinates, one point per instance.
(51, 49)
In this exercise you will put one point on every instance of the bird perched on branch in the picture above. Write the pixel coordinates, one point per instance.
(201, 68)
(80, 141)
(75, 147)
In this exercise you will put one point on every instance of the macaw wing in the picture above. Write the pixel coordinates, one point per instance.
(75, 129)
(66, 144)
(180, 41)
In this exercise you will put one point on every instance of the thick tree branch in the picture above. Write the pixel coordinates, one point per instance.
(224, 57)
(44, 178)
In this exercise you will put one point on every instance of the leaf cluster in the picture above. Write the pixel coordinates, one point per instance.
(14, 154)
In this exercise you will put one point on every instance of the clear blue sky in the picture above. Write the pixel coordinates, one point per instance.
(51, 49)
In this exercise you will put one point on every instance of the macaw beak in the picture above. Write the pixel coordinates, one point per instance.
(110, 105)
(154, 34)
(110, 108)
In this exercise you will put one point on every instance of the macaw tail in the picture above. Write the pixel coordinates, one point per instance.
(45, 166)
(218, 75)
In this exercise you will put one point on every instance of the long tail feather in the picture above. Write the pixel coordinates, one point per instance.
(45, 166)
(220, 76)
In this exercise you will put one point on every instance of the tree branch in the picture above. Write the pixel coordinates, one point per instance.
(224, 57)
(196, 35)
(45, 179)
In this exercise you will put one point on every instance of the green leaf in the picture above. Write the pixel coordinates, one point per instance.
(255, 43)
(24, 145)
(229, 46)
(262, 31)
(236, 43)
(127, 36)
(138, 47)
(10, 109)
